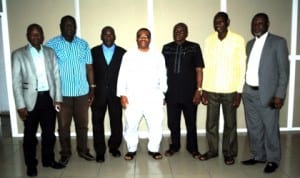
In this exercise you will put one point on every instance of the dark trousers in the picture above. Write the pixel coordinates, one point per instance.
(115, 115)
(76, 108)
(229, 147)
(45, 115)
(190, 116)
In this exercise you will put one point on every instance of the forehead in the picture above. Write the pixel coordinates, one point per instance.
(219, 18)
(108, 30)
(180, 28)
(68, 21)
(260, 19)
(143, 33)
(34, 29)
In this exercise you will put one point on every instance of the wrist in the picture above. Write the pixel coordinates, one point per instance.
(199, 89)
(92, 86)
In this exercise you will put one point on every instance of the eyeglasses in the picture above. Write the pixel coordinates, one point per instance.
(143, 37)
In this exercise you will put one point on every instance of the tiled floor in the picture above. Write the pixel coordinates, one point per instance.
(181, 165)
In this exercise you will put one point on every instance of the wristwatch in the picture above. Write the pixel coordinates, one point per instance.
(200, 90)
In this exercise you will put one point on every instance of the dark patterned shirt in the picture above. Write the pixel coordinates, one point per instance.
(181, 62)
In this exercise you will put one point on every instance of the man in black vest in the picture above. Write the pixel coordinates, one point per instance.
(107, 59)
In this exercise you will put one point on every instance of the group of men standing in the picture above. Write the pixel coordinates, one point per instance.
(65, 77)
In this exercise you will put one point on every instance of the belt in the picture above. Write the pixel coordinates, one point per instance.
(253, 87)
(40, 93)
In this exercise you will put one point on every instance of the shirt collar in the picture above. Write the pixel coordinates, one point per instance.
(104, 47)
(262, 37)
(63, 38)
(33, 49)
(228, 33)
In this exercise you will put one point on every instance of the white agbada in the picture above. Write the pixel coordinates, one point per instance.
(143, 80)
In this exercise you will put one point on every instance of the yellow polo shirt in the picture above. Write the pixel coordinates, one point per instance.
(225, 63)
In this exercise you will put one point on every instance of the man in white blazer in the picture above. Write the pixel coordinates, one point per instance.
(37, 93)
(264, 92)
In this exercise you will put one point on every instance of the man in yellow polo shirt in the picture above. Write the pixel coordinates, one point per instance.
(223, 79)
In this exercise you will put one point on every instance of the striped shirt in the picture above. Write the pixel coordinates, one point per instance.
(72, 59)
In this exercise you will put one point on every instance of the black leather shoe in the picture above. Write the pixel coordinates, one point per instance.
(115, 153)
(31, 171)
(100, 158)
(87, 156)
(64, 160)
(270, 167)
(55, 165)
(252, 162)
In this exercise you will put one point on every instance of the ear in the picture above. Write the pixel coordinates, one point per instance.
(228, 22)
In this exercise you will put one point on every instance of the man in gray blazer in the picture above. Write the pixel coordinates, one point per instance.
(37, 93)
(264, 92)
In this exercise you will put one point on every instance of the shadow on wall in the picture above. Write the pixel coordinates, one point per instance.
(5, 129)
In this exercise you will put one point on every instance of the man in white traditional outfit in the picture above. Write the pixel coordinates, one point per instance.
(141, 86)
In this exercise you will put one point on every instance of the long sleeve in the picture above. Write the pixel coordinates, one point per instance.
(122, 78)
(58, 95)
(163, 75)
(283, 68)
(17, 81)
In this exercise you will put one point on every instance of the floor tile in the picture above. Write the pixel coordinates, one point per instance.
(180, 165)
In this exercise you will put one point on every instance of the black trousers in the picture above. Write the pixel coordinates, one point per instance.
(190, 116)
(115, 115)
(45, 115)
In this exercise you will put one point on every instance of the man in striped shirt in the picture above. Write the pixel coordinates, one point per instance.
(77, 83)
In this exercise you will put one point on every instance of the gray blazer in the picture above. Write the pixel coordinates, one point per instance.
(273, 68)
(25, 80)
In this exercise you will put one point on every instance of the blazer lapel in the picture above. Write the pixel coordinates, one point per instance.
(265, 50)
(47, 63)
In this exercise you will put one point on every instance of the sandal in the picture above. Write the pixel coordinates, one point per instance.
(129, 156)
(228, 160)
(155, 155)
(207, 156)
(170, 152)
(196, 154)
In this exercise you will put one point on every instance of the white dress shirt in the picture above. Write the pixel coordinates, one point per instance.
(39, 62)
(254, 60)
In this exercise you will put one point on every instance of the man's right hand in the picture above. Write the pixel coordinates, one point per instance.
(23, 113)
(204, 100)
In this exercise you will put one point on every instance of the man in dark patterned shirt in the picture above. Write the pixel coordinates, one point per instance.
(184, 64)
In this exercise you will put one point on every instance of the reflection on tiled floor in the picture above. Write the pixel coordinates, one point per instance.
(181, 165)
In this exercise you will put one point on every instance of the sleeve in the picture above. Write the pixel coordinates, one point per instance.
(58, 95)
(88, 54)
(17, 81)
(242, 65)
(163, 74)
(283, 67)
(198, 57)
(205, 79)
(122, 78)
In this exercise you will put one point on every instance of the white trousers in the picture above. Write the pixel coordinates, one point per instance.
(153, 113)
